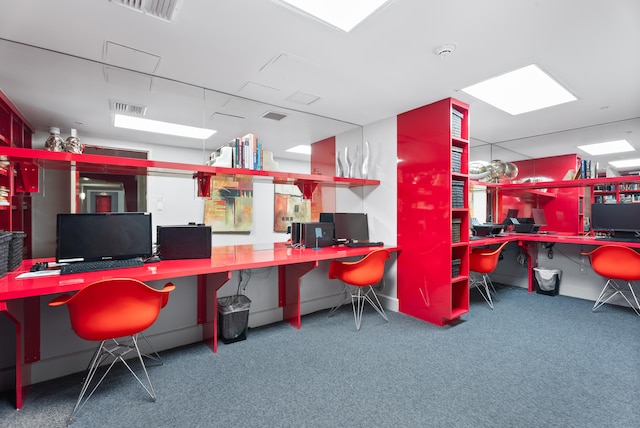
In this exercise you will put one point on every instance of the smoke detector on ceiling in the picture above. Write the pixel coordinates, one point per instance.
(445, 50)
(161, 9)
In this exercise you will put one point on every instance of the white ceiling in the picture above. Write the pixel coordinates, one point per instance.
(259, 50)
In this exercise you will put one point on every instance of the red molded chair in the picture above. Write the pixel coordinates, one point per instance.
(362, 274)
(106, 311)
(616, 262)
(483, 261)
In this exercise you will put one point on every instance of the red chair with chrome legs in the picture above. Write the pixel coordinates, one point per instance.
(106, 311)
(616, 262)
(362, 275)
(483, 261)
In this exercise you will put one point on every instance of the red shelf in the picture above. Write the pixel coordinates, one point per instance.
(131, 166)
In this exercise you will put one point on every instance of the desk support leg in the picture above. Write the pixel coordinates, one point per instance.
(289, 290)
(529, 248)
(208, 286)
(24, 314)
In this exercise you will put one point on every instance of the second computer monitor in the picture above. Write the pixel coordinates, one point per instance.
(351, 227)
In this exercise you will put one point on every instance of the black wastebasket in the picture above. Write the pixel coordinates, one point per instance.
(547, 281)
(233, 318)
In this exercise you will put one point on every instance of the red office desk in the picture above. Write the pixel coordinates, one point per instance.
(20, 298)
(527, 242)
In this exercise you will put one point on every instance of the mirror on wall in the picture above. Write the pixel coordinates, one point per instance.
(53, 89)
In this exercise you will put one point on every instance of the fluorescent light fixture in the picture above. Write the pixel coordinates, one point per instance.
(338, 13)
(626, 163)
(521, 91)
(607, 148)
(302, 149)
(158, 127)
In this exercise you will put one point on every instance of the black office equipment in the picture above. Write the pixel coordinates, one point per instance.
(511, 213)
(316, 235)
(103, 236)
(184, 242)
(524, 225)
(351, 227)
(621, 219)
(326, 217)
(538, 216)
(358, 244)
(97, 265)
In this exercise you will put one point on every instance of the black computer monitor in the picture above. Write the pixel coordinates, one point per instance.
(511, 213)
(318, 234)
(538, 217)
(103, 236)
(351, 227)
(615, 217)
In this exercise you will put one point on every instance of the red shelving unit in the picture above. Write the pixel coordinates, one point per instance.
(561, 200)
(433, 213)
(15, 178)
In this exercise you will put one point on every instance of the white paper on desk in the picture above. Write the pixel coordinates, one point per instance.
(47, 272)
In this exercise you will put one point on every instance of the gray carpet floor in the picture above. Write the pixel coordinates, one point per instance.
(534, 361)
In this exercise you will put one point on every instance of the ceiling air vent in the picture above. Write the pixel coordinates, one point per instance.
(130, 109)
(161, 9)
(273, 115)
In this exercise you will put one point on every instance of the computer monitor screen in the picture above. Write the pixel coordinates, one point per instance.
(103, 236)
(538, 217)
(511, 213)
(318, 234)
(616, 217)
(351, 226)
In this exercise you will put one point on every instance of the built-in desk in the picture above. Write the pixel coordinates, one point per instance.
(527, 242)
(20, 298)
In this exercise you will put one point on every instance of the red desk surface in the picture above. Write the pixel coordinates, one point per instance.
(549, 237)
(223, 259)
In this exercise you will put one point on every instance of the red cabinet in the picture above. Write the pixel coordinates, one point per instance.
(16, 179)
(433, 214)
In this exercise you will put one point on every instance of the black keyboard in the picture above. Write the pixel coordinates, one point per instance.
(619, 239)
(80, 267)
(364, 244)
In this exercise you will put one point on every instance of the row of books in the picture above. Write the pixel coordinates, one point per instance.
(247, 152)
(587, 169)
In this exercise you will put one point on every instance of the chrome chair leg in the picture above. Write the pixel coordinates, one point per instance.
(614, 288)
(358, 300)
(357, 304)
(480, 282)
(117, 352)
(344, 299)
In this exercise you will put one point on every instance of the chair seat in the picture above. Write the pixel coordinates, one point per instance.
(106, 311)
(483, 261)
(361, 276)
(617, 264)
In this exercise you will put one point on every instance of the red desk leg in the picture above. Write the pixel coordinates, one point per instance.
(208, 286)
(25, 316)
(529, 248)
(289, 290)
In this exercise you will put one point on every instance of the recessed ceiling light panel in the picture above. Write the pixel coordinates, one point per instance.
(618, 146)
(521, 91)
(337, 13)
(302, 149)
(159, 127)
(626, 163)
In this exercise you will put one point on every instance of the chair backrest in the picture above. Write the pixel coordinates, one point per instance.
(616, 262)
(114, 308)
(366, 271)
(485, 260)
